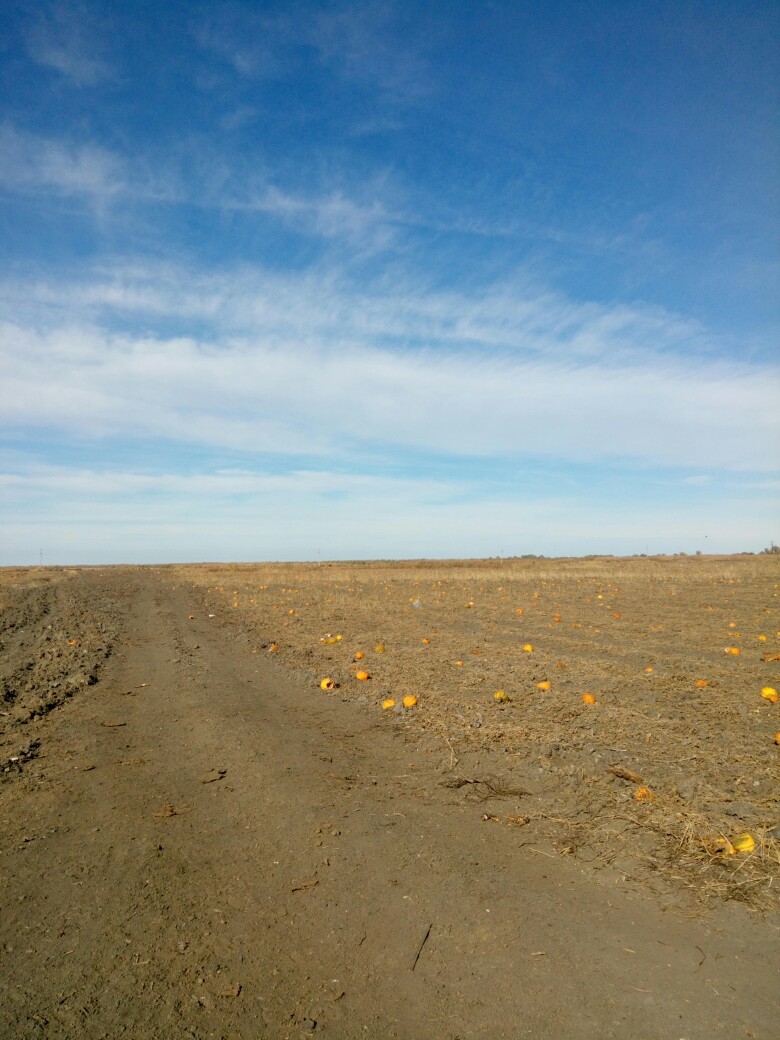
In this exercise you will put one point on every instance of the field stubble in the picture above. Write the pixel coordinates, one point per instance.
(656, 780)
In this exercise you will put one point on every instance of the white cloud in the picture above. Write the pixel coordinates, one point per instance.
(47, 166)
(115, 516)
(323, 306)
(309, 367)
(29, 163)
(331, 214)
(64, 37)
(315, 376)
(26, 478)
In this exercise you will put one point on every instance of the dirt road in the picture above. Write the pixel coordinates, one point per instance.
(199, 847)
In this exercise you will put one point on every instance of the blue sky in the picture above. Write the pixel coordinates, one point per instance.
(346, 280)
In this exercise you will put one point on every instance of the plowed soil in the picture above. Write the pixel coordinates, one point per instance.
(199, 841)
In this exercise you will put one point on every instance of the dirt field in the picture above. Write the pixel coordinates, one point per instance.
(198, 840)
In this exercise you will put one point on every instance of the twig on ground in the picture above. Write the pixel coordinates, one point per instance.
(420, 948)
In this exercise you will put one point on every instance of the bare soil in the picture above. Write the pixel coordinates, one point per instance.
(199, 841)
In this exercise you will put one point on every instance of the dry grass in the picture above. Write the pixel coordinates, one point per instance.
(18, 579)
(596, 625)
(636, 633)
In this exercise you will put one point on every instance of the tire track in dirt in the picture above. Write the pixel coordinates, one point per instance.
(205, 848)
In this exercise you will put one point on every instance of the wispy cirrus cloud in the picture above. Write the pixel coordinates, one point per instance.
(30, 477)
(517, 316)
(366, 44)
(64, 37)
(363, 43)
(32, 164)
(309, 366)
(331, 214)
(51, 167)
(254, 44)
(42, 166)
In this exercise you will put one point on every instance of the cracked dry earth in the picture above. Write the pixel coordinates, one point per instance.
(193, 846)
